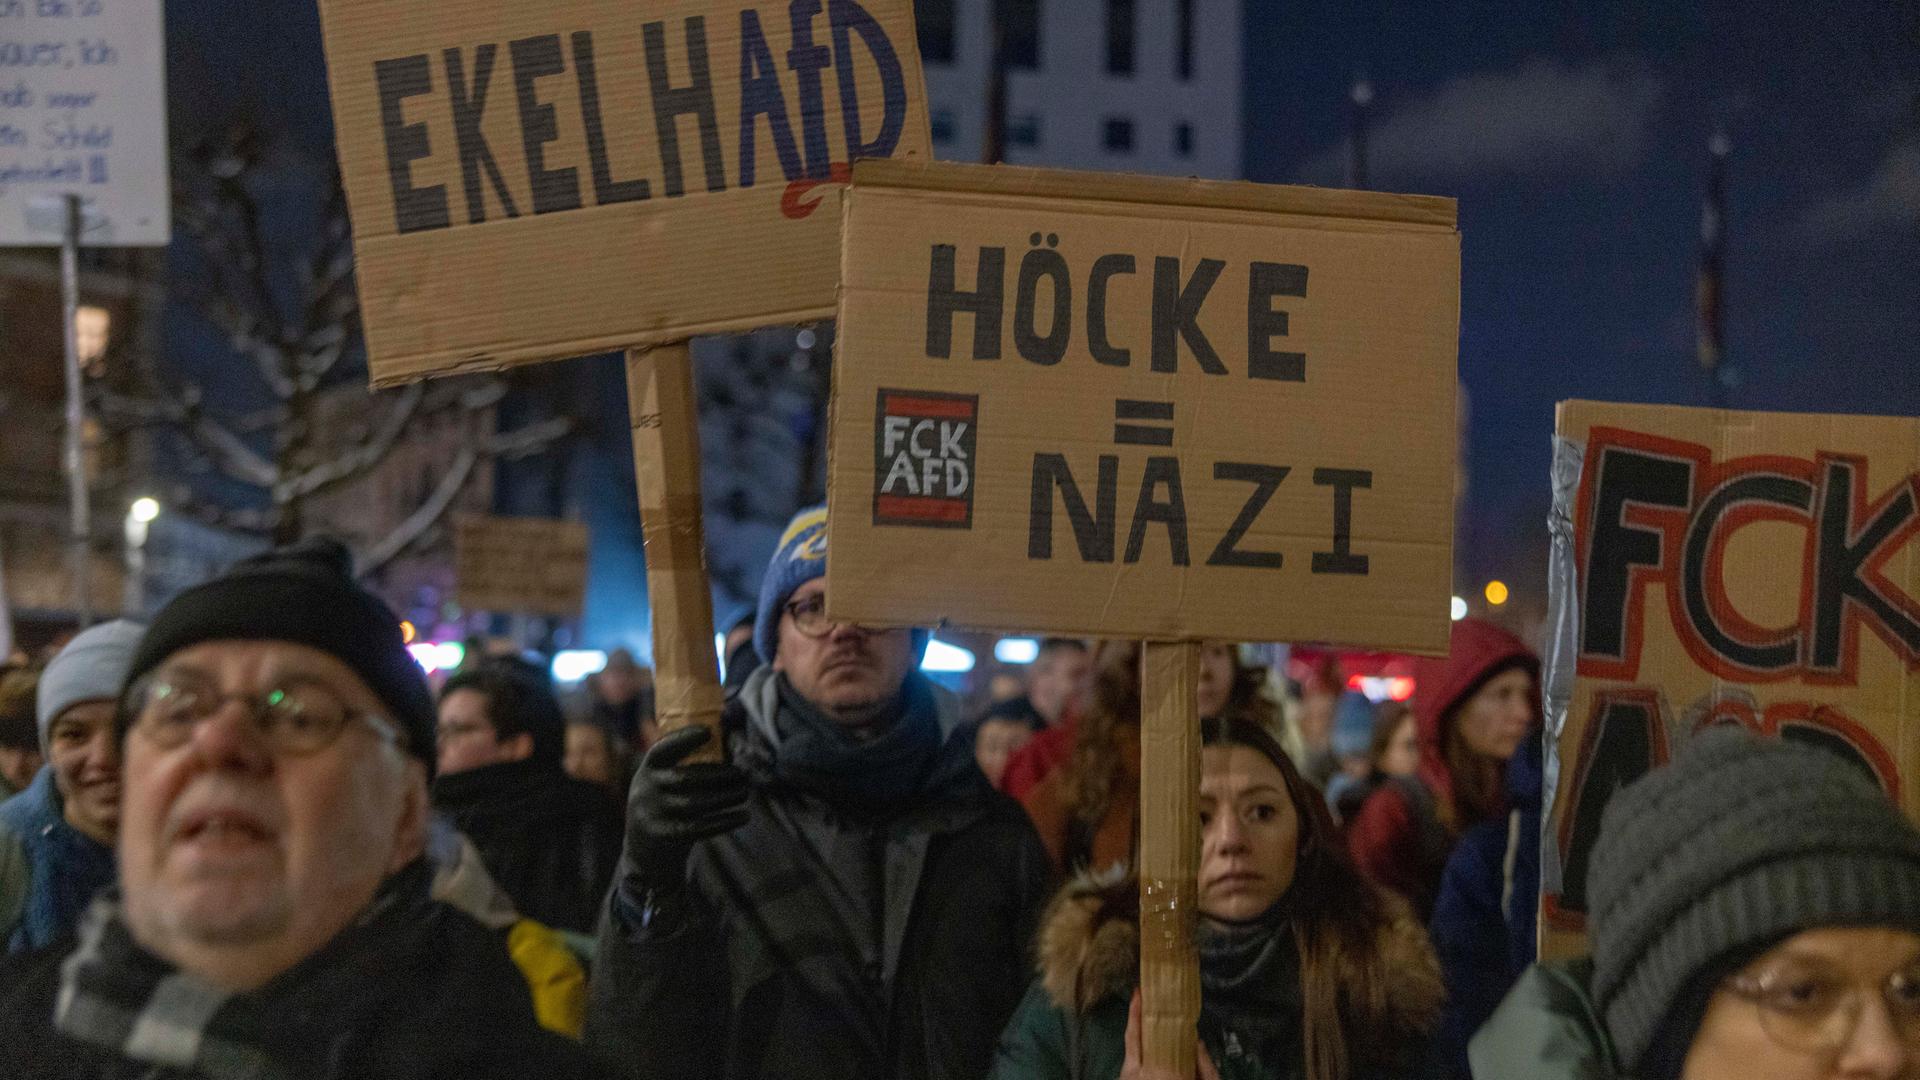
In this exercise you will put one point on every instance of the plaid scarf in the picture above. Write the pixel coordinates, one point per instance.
(116, 995)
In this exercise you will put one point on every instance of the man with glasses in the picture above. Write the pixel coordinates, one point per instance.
(845, 897)
(273, 917)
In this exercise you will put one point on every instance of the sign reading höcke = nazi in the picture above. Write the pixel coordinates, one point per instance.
(1144, 408)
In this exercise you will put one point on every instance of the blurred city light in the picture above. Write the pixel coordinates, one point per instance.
(407, 632)
(1496, 593)
(145, 509)
(1459, 608)
(1016, 650)
(572, 665)
(950, 659)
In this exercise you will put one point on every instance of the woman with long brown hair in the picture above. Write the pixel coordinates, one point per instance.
(1472, 711)
(1306, 969)
(1087, 810)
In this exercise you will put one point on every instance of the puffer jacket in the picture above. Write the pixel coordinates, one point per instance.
(1072, 1024)
(1546, 1029)
(49, 870)
(1487, 917)
(758, 972)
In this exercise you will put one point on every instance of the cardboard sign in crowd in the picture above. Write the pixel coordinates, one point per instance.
(1760, 569)
(532, 566)
(1131, 407)
(536, 181)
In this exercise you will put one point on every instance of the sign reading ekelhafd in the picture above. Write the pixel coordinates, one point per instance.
(532, 181)
(1128, 407)
(83, 111)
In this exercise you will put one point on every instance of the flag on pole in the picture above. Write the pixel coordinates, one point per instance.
(1709, 299)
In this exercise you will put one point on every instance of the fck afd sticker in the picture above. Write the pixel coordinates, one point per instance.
(923, 464)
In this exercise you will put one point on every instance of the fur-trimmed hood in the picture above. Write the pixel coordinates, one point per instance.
(1089, 951)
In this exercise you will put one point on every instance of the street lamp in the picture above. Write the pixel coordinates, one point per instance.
(144, 511)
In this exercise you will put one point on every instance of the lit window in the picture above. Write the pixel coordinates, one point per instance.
(90, 331)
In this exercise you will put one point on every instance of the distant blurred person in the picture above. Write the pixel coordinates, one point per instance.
(590, 757)
(1060, 677)
(741, 658)
(623, 699)
(1472, 709)
(1353, 722)
(1087, 811)
(20, 754)
(1005, 686)
(1392, 755)
(550, 841)
(1319, 700)
(57, 836)
(1001, 730)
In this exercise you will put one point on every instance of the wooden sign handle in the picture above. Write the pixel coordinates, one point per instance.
(1169, 854)
(666, 465)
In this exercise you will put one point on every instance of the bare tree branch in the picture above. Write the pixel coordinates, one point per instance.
(424, 518)
(520, 442)
(358, 459)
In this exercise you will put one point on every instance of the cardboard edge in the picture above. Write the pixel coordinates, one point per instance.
(1428, 211)
(429, 365)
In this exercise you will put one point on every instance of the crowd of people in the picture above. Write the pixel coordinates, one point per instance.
(250, 839)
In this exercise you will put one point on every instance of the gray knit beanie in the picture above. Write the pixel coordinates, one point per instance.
(93, 667)
(1740, 841)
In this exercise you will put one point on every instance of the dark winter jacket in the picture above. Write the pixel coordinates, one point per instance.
(1487, 917)
(550, 841)
(761, 969)
(1072, 1024)
(49, 870)
(445, 1003)
(1392, 838)
(1546, 1029)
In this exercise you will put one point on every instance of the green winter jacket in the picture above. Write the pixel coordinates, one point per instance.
(1546, 1029)
(1088, 953)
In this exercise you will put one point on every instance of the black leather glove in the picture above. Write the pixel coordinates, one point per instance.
(672, 806)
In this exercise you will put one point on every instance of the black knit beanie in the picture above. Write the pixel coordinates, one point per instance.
(1740, 841)
(304, 594)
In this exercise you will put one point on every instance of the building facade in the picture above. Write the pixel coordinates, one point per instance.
(1150, 86)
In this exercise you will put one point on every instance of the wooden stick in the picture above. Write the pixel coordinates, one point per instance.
(666, 465)
(1169, 854)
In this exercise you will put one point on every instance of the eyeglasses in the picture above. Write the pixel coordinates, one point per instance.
(299, 717)
(809, 615)
(1813, 1008)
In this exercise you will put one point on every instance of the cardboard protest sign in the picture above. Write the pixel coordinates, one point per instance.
(1714, 567)
(535, 181)
(1130, 407)
(526, 566)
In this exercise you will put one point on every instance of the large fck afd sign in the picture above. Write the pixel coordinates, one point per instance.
(1144, 408)
(538, 181)
(1760, 569)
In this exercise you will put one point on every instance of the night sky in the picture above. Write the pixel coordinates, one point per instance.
(1576, 144)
